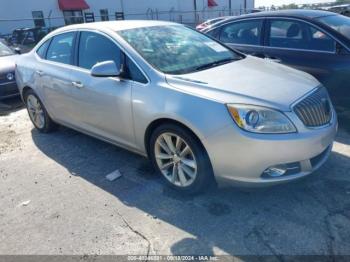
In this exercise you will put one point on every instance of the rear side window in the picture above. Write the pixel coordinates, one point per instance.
(42, 49)
(244, 32)
(95, 48)
(299, 35)
(61, 48)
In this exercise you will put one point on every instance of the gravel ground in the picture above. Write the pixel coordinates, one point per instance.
(55, 199)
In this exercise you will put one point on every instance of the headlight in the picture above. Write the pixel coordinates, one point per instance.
(259, 119)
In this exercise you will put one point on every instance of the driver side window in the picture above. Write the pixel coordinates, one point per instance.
(295, 34)
(95, 48)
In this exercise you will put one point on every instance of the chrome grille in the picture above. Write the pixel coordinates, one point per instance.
(315, 110)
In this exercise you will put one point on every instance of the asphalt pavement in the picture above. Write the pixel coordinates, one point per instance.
(55, 199)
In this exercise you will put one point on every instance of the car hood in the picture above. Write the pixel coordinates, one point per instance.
(251, 81)
(7, 63)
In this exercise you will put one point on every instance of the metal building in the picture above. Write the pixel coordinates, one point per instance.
(52, 13)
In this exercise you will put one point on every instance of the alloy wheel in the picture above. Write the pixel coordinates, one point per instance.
(175, 159)
(36, 112)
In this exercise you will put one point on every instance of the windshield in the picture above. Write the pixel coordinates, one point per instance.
(4, 50)
(177, 49)
(339, 23)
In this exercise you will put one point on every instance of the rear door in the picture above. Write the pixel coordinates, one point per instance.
(244, 35)
(55, 76)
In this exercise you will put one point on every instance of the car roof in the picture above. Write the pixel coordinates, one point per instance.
(299, 13)
(116, 25)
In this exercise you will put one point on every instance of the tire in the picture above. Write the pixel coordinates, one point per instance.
(193, 165)
(40, 118)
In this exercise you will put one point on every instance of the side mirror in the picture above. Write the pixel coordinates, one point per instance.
(105, 69)
(18, 50)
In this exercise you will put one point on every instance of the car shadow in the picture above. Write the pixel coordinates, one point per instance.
(297, 218)
(10, 105)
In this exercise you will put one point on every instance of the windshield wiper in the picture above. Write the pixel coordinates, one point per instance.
(216, 63)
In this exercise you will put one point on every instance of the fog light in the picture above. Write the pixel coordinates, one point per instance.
(276, 171)
(282, 170)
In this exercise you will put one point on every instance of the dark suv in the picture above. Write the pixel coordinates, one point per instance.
(317, 42)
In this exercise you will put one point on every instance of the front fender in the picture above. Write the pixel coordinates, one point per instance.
(201, 115)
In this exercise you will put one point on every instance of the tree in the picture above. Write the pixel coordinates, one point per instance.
(290, 6)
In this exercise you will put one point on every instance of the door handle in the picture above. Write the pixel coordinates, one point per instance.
(39, 72)
(78, 84)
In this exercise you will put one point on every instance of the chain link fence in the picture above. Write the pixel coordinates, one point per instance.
(26, 32)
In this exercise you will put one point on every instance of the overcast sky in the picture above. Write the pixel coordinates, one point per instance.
(281, 2)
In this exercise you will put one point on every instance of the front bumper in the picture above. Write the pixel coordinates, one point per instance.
(8, 90)
(240, 158)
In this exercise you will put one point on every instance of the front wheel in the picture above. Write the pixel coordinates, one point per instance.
(37, 113)
(181, 159)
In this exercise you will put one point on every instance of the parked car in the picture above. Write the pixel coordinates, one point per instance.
(27, 38)
(255, 122)
(317, 42)
(210, 22)
(8, 86)
(340, 9)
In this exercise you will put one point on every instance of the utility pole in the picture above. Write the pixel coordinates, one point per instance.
(195, 11)
(122, 5)
(230, 7)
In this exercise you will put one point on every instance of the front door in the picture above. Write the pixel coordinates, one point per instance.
(103, 103)
(307, 48)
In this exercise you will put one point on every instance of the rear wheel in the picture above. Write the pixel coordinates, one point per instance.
(37, 113)
(180, 158)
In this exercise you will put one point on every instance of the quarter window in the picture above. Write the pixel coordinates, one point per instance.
(245, 32)
(42, 49)
(95, 48)
(61, 48)
(298, 35)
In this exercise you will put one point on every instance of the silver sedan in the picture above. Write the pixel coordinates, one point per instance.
(201, 112)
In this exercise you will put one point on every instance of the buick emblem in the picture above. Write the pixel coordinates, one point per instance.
(10, 76)
(326, 106)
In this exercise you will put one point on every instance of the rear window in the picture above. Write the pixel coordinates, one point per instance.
(5, 51)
